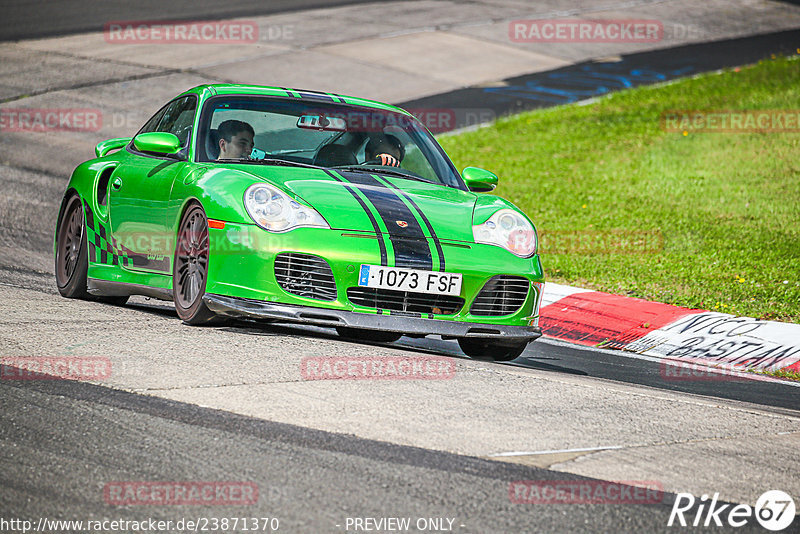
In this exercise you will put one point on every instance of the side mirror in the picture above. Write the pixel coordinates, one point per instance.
(479, 180)
(104, 147)
(158, 142)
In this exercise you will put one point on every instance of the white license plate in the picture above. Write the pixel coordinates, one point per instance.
(410, 280)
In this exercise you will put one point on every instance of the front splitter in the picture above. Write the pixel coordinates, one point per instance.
(257, 309)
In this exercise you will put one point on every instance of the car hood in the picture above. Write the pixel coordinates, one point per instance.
(357, 201)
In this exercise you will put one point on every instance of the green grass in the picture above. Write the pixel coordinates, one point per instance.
(779, 373)
(726, 205)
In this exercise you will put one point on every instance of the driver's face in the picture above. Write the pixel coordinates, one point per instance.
(241, 145)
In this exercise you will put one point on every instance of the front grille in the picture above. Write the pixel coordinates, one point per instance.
(404, 301)
(501, 295)
(305, 275)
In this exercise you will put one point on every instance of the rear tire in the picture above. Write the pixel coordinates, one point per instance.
(491, 350)
(72, 264)
(375, 336)
(190, 267)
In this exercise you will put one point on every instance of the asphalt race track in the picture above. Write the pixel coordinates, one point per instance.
(228, 403)
(24, 20)
(310, 480)
(595, 78)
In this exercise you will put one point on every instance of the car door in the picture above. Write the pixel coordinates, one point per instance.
(139, 192)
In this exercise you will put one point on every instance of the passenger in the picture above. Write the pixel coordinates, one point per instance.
(235, 139)
(384, 150)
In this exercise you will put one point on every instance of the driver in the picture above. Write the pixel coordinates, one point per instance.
(235, 139)
(385, 150)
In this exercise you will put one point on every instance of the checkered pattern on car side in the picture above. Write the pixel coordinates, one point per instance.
(102, 249)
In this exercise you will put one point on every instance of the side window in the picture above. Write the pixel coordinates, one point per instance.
(178, 118)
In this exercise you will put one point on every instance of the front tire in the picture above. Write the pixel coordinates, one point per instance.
(491, 350)
(190, 268)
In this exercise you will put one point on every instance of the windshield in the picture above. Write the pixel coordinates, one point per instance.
(263, 130)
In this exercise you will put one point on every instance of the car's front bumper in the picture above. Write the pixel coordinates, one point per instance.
(394, 322)
(242, 266)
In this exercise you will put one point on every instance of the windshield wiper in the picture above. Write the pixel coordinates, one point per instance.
(354, 168)
(232, 160)
(269, 161)
(389, 172)
(286, 163)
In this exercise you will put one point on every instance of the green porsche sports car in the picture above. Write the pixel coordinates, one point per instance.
(296, 206)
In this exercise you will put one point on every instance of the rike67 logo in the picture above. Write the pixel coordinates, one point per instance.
(774, 511)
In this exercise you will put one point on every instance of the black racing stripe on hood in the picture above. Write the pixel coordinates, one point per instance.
(411, 247)
(381, 244)
(427, 223)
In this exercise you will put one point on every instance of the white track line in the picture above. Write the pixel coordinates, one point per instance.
(559, 451)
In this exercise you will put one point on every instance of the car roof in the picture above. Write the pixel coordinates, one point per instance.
(286, 92)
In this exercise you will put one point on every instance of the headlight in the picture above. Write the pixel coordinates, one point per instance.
(273, 210)
(507, 229)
